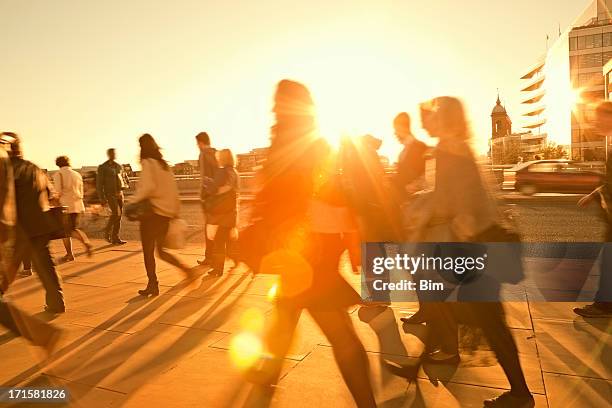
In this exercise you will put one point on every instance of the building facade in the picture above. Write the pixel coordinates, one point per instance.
(590, 49)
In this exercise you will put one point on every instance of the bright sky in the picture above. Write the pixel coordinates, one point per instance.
(78, 77)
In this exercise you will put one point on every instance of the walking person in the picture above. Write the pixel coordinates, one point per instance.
(409, 178)
(69, 191)
(34, 226)
(111, 180)
(302, 215)
(208, 168)
(410, 173)
(222, 210)
(370, 197)
(157, 190)
(602, 307)
(18, 322)
(461, 209)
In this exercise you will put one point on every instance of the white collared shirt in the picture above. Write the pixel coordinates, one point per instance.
(69, 188)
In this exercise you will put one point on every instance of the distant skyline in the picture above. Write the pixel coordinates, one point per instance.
(79, 77)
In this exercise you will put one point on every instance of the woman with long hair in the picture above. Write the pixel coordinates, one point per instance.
(462, 209)
(297, 203)
(158, 186)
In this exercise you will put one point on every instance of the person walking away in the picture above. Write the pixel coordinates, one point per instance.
(156, 185)
(34, 226)
(69, 191)
(222, 210)
(291, 202)
(208, 169)
(18, 322)
(602, 307)
(111, 180)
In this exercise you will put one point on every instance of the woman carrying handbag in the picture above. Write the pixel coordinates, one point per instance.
(156, 202)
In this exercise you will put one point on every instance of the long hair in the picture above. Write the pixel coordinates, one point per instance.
(450, 115)
(150, 150)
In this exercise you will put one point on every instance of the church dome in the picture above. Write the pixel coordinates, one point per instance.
(498, 108)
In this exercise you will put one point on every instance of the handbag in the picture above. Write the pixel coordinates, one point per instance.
(138, 210)
(56, 217)
(176, 238)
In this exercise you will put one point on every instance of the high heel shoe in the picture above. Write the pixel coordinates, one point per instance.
(152, 290)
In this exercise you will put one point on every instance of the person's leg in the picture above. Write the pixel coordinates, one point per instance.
(219, 250)
(442, 330)
(349, 353)
(45, 268)
(603, 297)
(147, 238)
(161, 230)
(78, 233)
(491, 319)
(277, 342)
(113, 205)
(117, 225)
(68, 246)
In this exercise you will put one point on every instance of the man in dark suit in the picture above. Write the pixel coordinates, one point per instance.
(208, 169)
(111, 180)
(411, 162)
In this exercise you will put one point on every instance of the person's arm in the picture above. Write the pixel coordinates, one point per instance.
(56, 191)
(146, 184)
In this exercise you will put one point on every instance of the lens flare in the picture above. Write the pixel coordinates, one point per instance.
(245, 349)
(272, 292)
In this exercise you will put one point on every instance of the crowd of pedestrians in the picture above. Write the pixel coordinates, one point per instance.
(312, 201)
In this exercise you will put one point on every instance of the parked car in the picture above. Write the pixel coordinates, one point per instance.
(553, 176)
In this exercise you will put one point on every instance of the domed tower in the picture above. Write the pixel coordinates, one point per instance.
(500, 121)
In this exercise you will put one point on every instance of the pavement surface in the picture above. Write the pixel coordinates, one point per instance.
(189, 346)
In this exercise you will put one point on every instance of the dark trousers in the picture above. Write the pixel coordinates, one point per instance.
(603, 297)
(208, 251)
(220, 248)
(115, 204)
(37, 248)
(489, 316)
(153, 231)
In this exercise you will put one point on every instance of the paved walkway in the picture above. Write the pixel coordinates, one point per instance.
(185, 347)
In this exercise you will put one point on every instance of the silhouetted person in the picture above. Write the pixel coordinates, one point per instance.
(602, 307)
(410, 174)
(371, 198)
(34, 225)
(208, 167)
(293, 191)
(157, 185)
(111, 180)
(69, 190)
(222, 210)
(19, 323)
